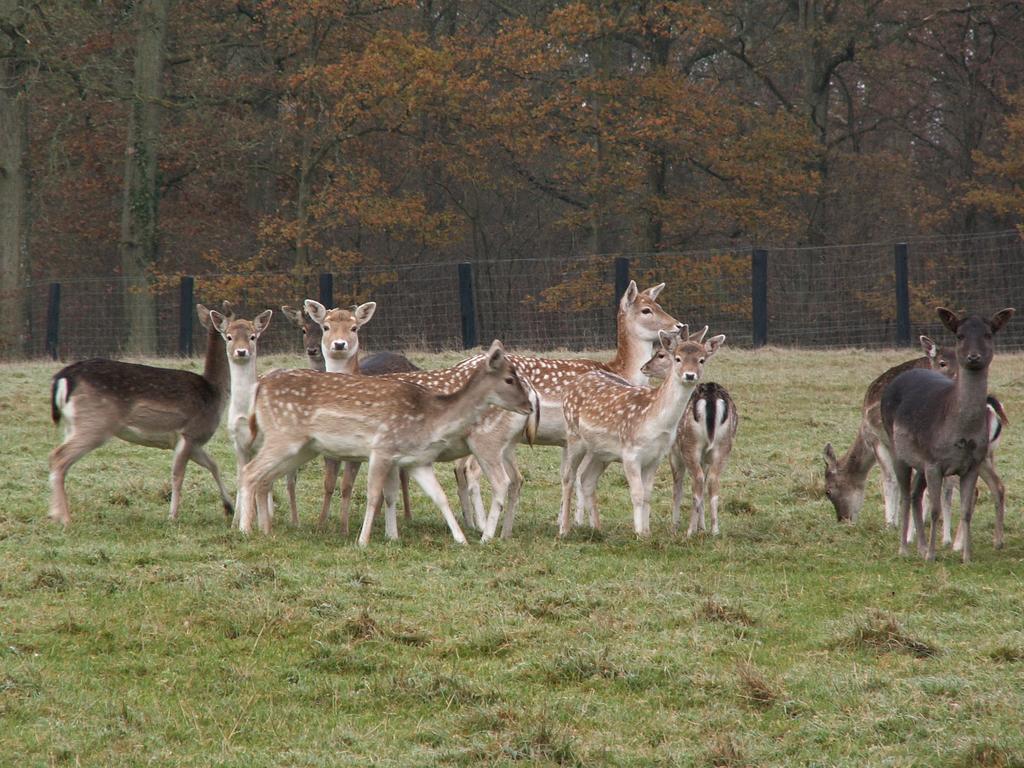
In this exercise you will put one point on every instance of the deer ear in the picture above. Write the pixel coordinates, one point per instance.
(654, 290)
(713, 344)
(930, 347)
(699, 335)
(364, 312)
(667, 340)
(219, 321)
(315, 310)
(1001, 318)
(204, 316)
(949, 318)
(293, 314)
(229, 310)
(831, 460)
(629, 296)
(262, 321)
(495, 355)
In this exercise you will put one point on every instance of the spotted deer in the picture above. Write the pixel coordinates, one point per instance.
(157, 407)
(701, 446)
(938, 427)
(639, 321)
(608, 419)
(846, 475)
(388, 423)
(240, 342)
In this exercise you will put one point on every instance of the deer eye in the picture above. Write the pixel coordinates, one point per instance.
(679, 359)
(327, 327)
(701, 361)
(355, 328)
(510, 380)
(646, 311)
(943, 364)
(253, 337)
(228, 337)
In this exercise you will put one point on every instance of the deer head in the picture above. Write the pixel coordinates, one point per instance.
(510, 390)
(312, 334)
(240, 336)
(640, 315)
(846, 495)
(661, 363)
(941, 359)
(340, 328)
(974, 347)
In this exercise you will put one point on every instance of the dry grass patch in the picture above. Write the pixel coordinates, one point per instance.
(882, 633)
(714, 610)
(755, 688)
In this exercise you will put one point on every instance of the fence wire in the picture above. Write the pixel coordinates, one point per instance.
(817, 297)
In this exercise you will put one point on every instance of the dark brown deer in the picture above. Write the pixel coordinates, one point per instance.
(938, 427)
(157, 407)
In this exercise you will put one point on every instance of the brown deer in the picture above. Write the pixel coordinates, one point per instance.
(938, 427)
(846, 476)
(608, 419)
(388, 423)
(702, 444)
(158, 407)
(639, 321)
(240, 342)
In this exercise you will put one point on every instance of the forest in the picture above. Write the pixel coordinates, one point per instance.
(148, 139)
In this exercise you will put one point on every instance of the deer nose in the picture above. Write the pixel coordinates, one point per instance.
(340, 346)
(689, 376)
(973, 357)
(241, 352)
(312, 351)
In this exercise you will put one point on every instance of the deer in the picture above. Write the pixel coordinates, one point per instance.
(240, 343)
(639, 321)
(938, 427)
(702, 444)
(387, 423)
(608, 419)
(846, 476)
(156, 407)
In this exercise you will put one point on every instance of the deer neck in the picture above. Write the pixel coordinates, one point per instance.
(215, 369)
(670, 400)
(969, 400)
(243, 385)
(858, 460)
(454, 414)
(349, 365)
(630, 355)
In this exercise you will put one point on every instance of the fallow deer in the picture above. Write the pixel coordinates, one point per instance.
(702, 444)
(846, 476)
(240, 341)
(608, 419)
(639, 321)
(158, 407)
(938, 427)
(388, 423)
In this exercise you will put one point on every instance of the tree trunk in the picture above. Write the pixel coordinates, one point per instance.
(14, 181)
(138, 246)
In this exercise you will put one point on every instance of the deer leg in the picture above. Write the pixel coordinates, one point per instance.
(647, 475)
(917, 501)
(348, 482)
(331, 468)
(77, 444)
(890, 490)
(635, 480)
(697, 492)
(902, 473)
(270, 462)
(181, 453)
(391, 485)
(580, 496)
(968, 482)
(474, 472)
(675, 461)
(497, 475)
(462, 489)
(589, 474)
(515, 478)
(947, 510)
(427, 480)
(572, 456)
(205, 460)
(936, 492)
(713, 476)
(987, 471)
(376, 475)
(290, 481)
(403, 478)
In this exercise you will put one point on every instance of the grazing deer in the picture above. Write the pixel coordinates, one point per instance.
(388, 423)
(939, 427)
(608, 419)
(158, 407)
(639, 321)
(702, 444)
(240, 337)
(846, 476)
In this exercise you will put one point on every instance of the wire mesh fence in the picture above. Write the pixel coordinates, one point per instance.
(815, 297)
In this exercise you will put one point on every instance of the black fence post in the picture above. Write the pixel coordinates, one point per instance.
(186, 311)
(621, 281)
(759, 296)
(467, 306)
(327, 289)
(902, 296)
(53, 321)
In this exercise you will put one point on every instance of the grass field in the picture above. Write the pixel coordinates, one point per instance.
(790, 640)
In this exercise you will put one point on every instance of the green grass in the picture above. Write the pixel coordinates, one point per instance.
(789, 640)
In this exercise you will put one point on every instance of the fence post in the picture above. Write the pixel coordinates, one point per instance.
(467, 306)
(186, 310)
(327, 289)
(621, 281)
(902, 296)
(53, 321)
(759, 296)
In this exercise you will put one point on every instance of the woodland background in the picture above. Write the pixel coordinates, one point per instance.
(259, 143)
